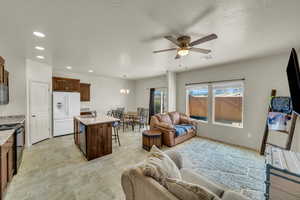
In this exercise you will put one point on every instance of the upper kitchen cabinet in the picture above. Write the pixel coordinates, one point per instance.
(65, 84)
(85, 94)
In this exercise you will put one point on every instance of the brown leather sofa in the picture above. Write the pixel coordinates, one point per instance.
(166, 124)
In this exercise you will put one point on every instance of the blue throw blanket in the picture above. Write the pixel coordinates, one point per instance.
(182, 129)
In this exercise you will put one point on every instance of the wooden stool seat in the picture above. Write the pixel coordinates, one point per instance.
(150, 138)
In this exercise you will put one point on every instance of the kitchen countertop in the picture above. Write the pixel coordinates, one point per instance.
(14, 119)
(4, 135)
(102, 119)
(87, 110)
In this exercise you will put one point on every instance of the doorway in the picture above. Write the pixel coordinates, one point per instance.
(160, 100)
(39, 111)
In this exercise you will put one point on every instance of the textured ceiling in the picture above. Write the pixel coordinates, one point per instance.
(117, 37)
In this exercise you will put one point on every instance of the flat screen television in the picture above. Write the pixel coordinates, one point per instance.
(293, 74)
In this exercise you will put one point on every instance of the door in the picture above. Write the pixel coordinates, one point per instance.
(160, 101)
(39, 111)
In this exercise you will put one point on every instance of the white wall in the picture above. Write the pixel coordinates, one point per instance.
(171, 78)
(36, 71)
(15, 65)
(142, 89)
(261, 76)
(105, 92)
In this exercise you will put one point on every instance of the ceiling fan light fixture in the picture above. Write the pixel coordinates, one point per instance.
(183, 51)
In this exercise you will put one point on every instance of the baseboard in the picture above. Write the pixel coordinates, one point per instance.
(227, 143)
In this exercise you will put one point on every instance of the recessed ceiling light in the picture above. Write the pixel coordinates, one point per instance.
(40, 48)
(39, 34)
(91, 71)
(40, 57)
(69, 67)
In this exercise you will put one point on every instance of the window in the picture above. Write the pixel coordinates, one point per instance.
(197, 102)
(228, 103)
(160, 100)
(220, 103)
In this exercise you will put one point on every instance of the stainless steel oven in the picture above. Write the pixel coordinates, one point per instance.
(19, 145)
(82, 138)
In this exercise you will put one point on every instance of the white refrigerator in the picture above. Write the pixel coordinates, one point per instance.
(66, 105)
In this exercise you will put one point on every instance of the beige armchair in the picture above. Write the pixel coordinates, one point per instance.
(136, 186)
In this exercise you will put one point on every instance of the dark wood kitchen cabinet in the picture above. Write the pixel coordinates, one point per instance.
(65, 84)
(6, 164)
(85, 94)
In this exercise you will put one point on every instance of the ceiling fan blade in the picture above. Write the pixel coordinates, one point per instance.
(177, 56)
(204, 39)
(164, 50)
(172, 39)
(206, 51)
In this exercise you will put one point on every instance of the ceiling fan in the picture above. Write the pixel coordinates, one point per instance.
(184, 45)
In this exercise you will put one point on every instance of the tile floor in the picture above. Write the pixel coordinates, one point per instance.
(55, 169)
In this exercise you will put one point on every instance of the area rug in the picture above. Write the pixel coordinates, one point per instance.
(233, 168)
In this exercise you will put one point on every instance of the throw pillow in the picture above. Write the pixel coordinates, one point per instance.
(160, 166)
(189, 191)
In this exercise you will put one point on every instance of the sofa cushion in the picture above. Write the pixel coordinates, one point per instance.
(165, 118)
(182, 129)
(231, 195)
(137, 186)
(165, 125)
(176, 157)
(192, 177)
(184, 119)
(160, 166)
(175, 117)
(189, 191)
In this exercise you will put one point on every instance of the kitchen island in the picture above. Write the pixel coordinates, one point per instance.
(93, 135)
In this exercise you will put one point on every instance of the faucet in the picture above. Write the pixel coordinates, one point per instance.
(94, 113)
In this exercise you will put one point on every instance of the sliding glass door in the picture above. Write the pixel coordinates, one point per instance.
(160, 100)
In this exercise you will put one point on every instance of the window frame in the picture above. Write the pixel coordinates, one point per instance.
(213, 104)
(187, 109)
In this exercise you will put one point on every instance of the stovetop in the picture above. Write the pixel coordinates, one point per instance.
(9, 127)
(11, 120)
